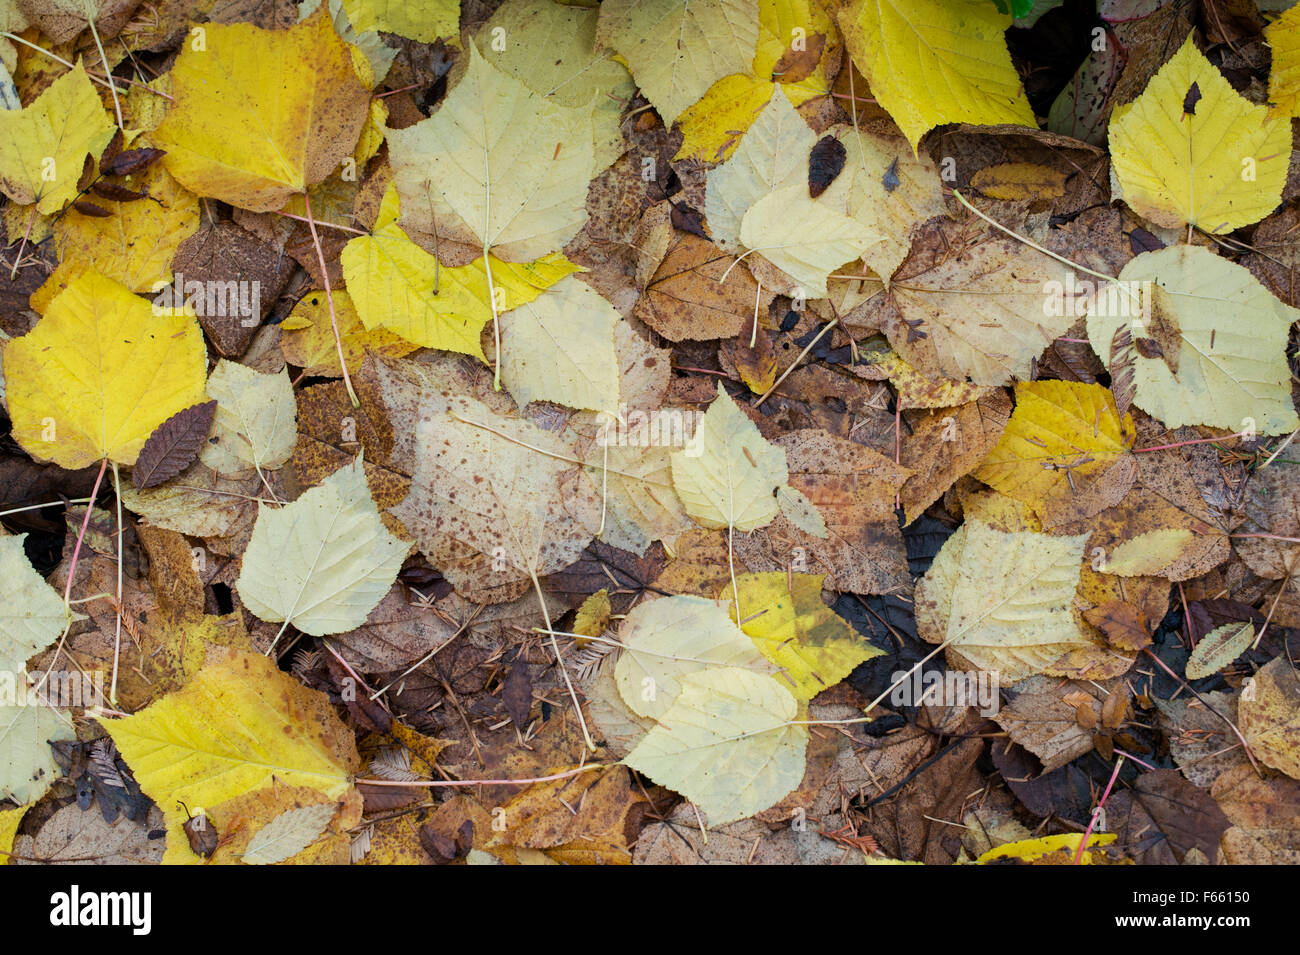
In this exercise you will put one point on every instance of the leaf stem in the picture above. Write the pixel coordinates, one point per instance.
(329, 298)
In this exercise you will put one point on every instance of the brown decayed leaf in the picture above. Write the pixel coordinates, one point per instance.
(946, 444)
(853, 488)
(687, 299)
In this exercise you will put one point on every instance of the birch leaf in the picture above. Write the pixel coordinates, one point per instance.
(666, 639)
(728, 475)
(323, 562)
(710, 39)
(726, 744)
(288, 834)
(27, 767)
(254, 428)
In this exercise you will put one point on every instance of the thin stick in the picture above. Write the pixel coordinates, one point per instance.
(85, 524)
(103, 58)
(432, 783)
(37, 507)
(31, 219)
(323, 225)
(809, 347)
(329, 298)
(1087, 833)
(117, 638)
(90, 73)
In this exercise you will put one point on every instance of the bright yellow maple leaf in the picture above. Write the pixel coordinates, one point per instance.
(43, 147)
(931, 62)
(1219, 167)
(99, 372)
(396, 285)
(262, 114)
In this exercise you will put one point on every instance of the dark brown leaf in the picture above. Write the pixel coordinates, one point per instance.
(824, 164)
(87, 208)
(108, 190)
(173, 446)
(131, 161)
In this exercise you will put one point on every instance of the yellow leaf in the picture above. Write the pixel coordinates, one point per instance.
(134, 245)
(1218, 648)
(9, 820)
(307, 339)
(677, 49)
(1018, 181)
(31, 611)
(931, 62)
(43, 147)
(1148, 554)
(396, 285)
(1028, 850)
(251, 124)
(1001, 601)
(560, 347)
(254, 428)
(1270, 716)
(1219, 167)
(773, 154)
(99, 372)
(1283, 35)
(1056, 423)
(804, 238)
(240, 725)
(323, 562)
(665, 640)
(712, 128)
(551, 47)
(423, 20)
(888, 188)
(728, 475)
(793, 39)
(592, 617)
(727, 743)
(792, 627)
(498, 166)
